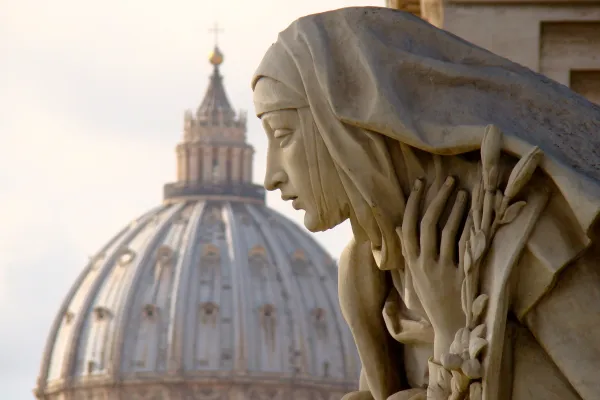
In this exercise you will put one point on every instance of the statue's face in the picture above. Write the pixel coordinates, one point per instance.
(287, 164)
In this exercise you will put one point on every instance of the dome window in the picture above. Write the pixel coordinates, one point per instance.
(226, 355)
(326, 369)
(126, 257)
(299, 263)
(268, 311)
(150, 311)
(257, 253)
(69, 316)
(318, 314)
(165, 255)
(299, 255)
(320, 322)
(101, 313)
(90, 367)
(209, 309)
(211, 252)
(209, 312)
(268, 323)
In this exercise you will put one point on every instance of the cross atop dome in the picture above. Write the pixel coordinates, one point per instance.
(216, 30)
(216, 57)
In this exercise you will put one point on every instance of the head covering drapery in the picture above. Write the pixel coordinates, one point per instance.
(386, 72)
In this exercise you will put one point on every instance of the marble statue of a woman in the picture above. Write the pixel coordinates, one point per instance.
(472, 185)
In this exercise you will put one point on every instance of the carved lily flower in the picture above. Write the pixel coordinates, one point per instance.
(490, 156)
(522, 172)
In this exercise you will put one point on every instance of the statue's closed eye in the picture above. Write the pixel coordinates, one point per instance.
(283, 136)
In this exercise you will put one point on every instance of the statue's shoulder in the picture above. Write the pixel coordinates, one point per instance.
(356, 251)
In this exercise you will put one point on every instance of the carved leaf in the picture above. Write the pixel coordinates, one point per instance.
(468, 261)
(464, 339)
(512, 212)
(522, 172)
(437, 392)
(463, 296)
(478, 244)
(475, 391)
(455, 347)
(451, 361)
(490, 179)
(490, 155)
(459, 382)
(461, 341)
(476, 345)
(498, 201)
(472, 368)
(477, 332)
(476, 195)
(479, 305)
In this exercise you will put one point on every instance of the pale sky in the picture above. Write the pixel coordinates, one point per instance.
(92, 96)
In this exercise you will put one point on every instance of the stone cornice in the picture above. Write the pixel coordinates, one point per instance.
(527, 2)
(207, 379)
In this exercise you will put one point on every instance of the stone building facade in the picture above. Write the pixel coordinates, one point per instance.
(558, 38)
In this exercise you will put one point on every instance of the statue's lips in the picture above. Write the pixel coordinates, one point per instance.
(295, 203)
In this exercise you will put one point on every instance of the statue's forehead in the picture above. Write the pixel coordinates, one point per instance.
(272, 95)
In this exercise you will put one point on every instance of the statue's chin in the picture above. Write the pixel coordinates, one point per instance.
(316, 224)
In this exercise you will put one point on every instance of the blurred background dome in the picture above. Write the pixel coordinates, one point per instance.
(211, 295)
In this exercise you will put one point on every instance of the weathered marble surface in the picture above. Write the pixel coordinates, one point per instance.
(473, 187)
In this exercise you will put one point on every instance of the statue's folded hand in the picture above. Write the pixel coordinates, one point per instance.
(436, 277)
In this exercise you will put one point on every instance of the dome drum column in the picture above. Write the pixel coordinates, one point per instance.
(194, 164)
(222, 164)
(207, 164)
(236, 155)
(247, 171)
(180, 164)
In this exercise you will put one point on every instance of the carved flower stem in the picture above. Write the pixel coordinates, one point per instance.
(490, 209)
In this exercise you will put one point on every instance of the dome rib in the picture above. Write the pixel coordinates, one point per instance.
(281, 262)
(81, 317)
(345, 340)
(132, 286)
(181, 289)
(239, 262)
(49, 350)
(203, 319)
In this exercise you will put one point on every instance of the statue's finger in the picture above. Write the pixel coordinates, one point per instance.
(432, 215)
(449, 240)
(410, 241)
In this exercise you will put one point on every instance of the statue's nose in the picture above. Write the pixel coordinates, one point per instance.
(274, 180)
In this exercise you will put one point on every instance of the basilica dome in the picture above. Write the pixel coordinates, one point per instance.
(209, 296)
